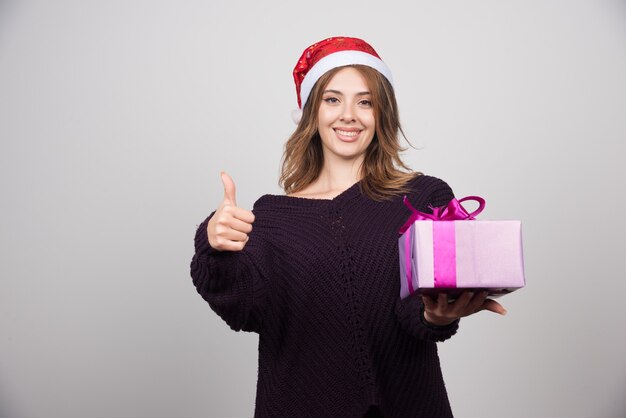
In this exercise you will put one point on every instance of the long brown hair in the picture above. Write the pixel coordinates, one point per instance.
(383, 174)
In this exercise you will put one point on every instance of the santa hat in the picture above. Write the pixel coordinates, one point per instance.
(331, 53)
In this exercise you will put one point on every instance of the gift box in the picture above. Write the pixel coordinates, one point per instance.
(451, 251)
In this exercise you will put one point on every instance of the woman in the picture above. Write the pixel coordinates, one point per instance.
(315, 272)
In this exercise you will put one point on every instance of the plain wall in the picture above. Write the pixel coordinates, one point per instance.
(116, 118)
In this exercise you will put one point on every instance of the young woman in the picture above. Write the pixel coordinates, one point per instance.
(315, 272)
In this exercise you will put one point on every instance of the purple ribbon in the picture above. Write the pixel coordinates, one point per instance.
(407, 262)
(444, 239)
(444, 254)
(454, 211)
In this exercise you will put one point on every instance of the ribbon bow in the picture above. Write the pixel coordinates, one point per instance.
(454, 211)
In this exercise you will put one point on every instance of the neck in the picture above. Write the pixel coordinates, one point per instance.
(339, 174)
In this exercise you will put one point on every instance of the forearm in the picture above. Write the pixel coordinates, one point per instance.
(229, 282)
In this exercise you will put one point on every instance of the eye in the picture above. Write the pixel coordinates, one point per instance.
(365, 103)
(331, 100)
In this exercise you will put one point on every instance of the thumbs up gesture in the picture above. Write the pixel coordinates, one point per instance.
(229, 227)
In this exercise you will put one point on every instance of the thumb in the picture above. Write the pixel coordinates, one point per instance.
(493, 306)
(229, 189)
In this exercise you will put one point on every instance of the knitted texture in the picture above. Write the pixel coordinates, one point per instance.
(319, 281)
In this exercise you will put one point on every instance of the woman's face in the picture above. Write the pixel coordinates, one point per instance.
(346, 121)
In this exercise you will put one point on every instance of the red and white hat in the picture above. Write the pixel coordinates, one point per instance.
(332, 53)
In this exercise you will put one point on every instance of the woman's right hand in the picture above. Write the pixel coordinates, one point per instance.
(229, 227)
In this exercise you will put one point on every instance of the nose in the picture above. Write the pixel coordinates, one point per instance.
(347, 112)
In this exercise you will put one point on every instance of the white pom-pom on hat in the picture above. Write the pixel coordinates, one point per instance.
(296, 115)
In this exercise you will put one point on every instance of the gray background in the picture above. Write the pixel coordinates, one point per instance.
(116, 118)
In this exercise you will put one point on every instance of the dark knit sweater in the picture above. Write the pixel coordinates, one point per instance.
(319, 282)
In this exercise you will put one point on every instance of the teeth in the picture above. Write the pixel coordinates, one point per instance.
(346, 133)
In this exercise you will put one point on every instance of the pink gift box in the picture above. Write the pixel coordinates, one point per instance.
(457, 255)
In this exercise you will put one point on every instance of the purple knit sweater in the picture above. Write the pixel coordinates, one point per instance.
(319, 282)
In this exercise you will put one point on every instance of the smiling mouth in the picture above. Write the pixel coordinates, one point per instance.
(352, 133)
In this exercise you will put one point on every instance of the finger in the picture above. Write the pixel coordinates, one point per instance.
(442, 301)
(429, 303)
(233, 235)
(243, 215)
(239, 225)
(477, 301)
(493, 306)
(233, 245)
(229, 189)
(461, 303)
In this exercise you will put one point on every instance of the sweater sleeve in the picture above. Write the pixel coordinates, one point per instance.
(229, 282)
(432, 192)
(410, 313)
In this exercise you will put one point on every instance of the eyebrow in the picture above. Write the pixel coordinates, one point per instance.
(362, 93)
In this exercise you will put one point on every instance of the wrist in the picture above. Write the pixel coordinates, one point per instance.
(431, 321)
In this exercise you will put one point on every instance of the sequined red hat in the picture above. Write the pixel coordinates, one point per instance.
(332, 53)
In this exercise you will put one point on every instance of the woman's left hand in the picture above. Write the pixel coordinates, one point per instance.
(440, 312)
